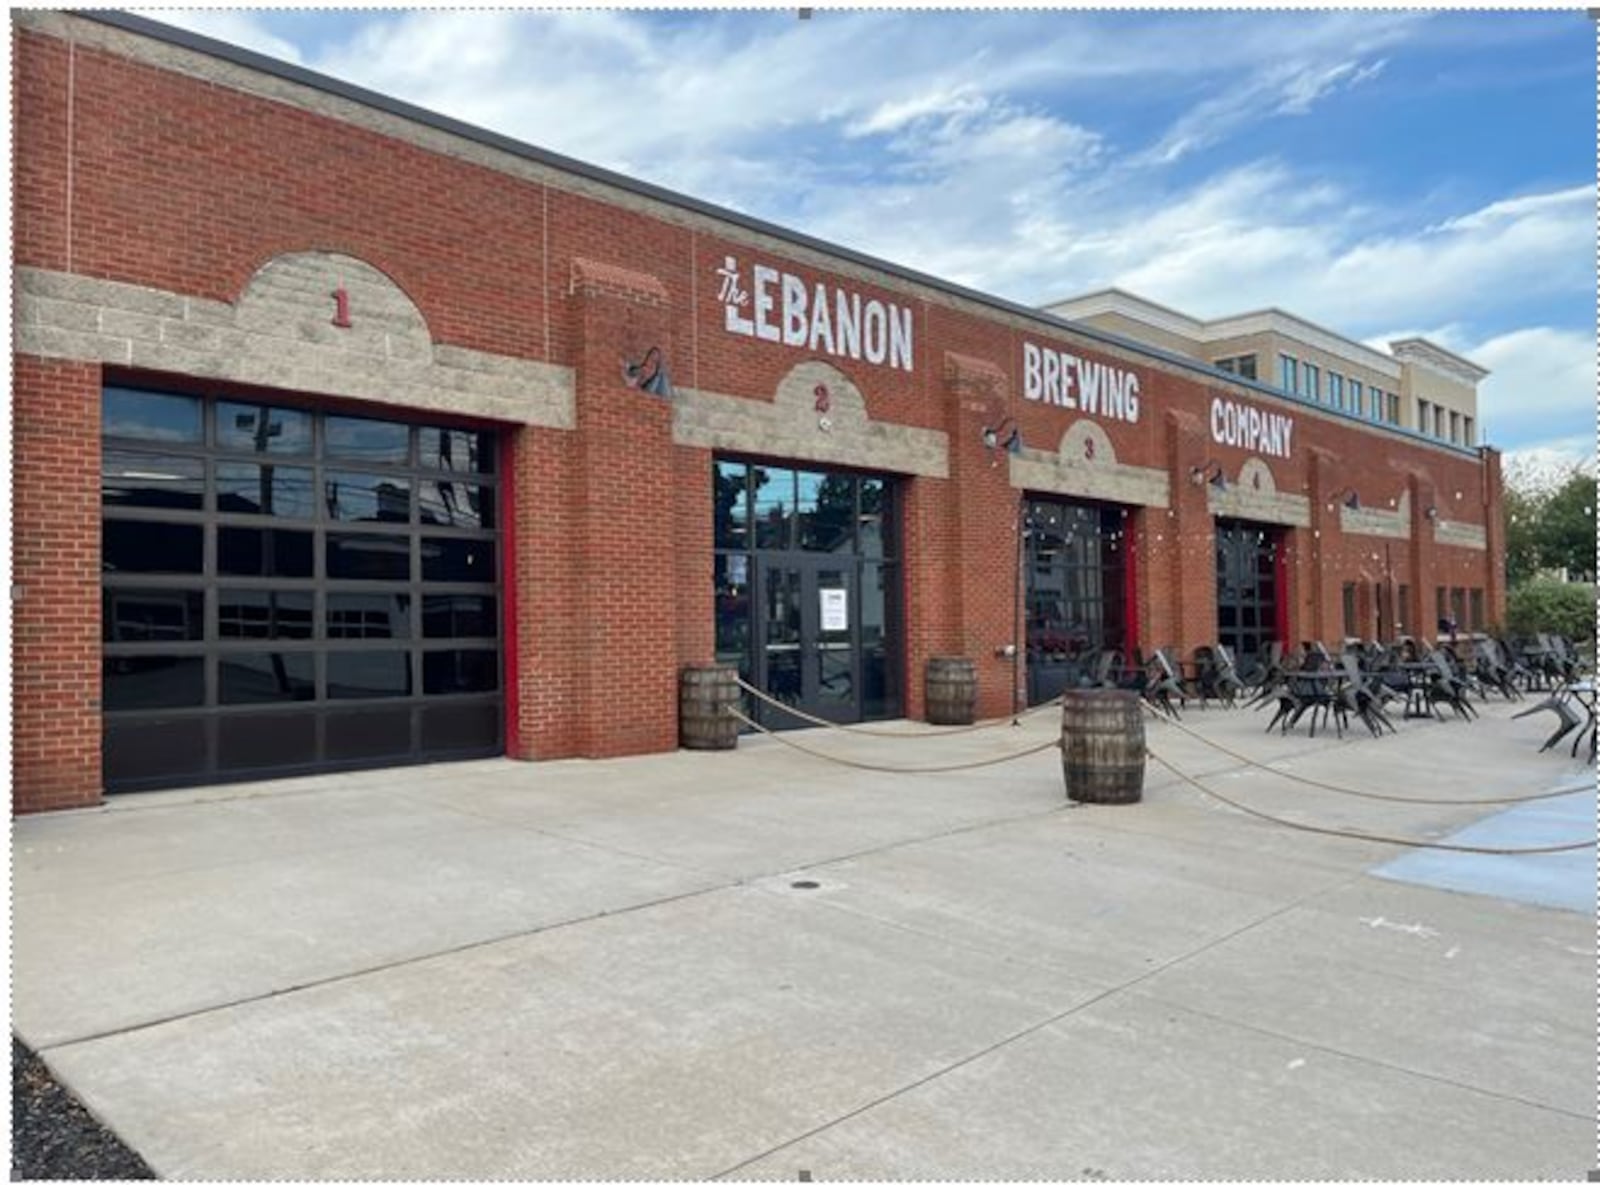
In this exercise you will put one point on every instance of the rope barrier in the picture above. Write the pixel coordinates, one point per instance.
(1381, 797)
(866, 731)
(1055, 743)
(1369, 836)
(890, 769)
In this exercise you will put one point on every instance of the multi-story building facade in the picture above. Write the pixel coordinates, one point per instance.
(1416, 385)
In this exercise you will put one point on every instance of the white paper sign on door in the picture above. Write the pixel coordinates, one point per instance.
(835, 608)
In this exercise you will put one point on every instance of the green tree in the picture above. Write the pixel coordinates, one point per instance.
(1522, 509)
(1565, 530)
(1552, 607)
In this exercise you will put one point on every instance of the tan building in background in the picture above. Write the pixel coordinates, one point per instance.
(1417, 385)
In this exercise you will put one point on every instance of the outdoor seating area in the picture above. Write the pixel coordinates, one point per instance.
(1369, 682)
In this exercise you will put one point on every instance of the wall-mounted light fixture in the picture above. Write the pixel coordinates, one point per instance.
(1211, 471)
(1431, 514)
(996, 438)
(1348, 497)
(649, 374)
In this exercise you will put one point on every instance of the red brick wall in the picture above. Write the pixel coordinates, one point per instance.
(55, 534)
(190, 187)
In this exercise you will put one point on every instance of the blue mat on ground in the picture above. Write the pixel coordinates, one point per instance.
(1562, 880)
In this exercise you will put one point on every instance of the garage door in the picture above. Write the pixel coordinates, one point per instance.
(287, 590)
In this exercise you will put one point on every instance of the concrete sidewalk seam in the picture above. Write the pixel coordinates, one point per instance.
(1362, 1058)
(1031, 1029)
(735, 883)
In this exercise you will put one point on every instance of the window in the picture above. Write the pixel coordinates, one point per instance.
(1356, 404)
(1440, 610)
(1394, 407)
(1288, 373)
(1438, 421)
(1243, 365)
(1455, 427)
(1466, 432)
(1350, 610)
(262, 562)
(1458, 607)
(1475, 615)
(1422, 415)
(1075, 565)
(1313, 382)
(1336, 390)
(145, 415)
(1402, 617)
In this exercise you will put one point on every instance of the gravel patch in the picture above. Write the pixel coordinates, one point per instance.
(53, 1136)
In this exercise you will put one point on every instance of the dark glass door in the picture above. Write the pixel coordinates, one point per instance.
(806, 578)
(808, 656)
(1247, 590)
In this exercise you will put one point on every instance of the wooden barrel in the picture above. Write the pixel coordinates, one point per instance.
(705, 695)
(1102, 746)
(952, 691)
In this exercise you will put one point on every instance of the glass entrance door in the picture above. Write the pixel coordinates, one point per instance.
(1247, 590)
(807, 655)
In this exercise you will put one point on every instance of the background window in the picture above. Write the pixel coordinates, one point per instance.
(366, 440)
(145, 415)
(263, 429)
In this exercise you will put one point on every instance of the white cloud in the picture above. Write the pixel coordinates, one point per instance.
(895, 114)
(888, 133)
(1541, 384)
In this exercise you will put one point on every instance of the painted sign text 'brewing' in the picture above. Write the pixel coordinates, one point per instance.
(1065, 380)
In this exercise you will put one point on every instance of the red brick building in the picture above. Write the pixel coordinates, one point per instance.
(346, 434)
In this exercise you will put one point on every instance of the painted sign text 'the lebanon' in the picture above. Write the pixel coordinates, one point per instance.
(779, 307)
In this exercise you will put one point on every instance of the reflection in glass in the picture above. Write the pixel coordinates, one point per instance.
(781, 605)
(249, 551)
(152, 615)
(458, 672)
(731, 504)
(369, 615)
(366, 497)
(369, 557)
(459, 615)
(824, 510)
(263, 429)
(731, 592)
(278, 490)
(456, 504)
(252, 678)
(263, 613)
(458, 449)
(774, 507)
(130, 684)
(874, 538)
(145, 479)
(127, 545)
(366, 674)
(462, 561)
(144, 415)
(835, 654)
(366, 440)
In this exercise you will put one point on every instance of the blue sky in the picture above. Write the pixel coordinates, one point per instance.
(1382, 173)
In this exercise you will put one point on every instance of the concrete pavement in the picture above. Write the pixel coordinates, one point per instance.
(604, 969)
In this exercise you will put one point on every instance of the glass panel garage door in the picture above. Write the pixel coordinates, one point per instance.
(286, 590)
